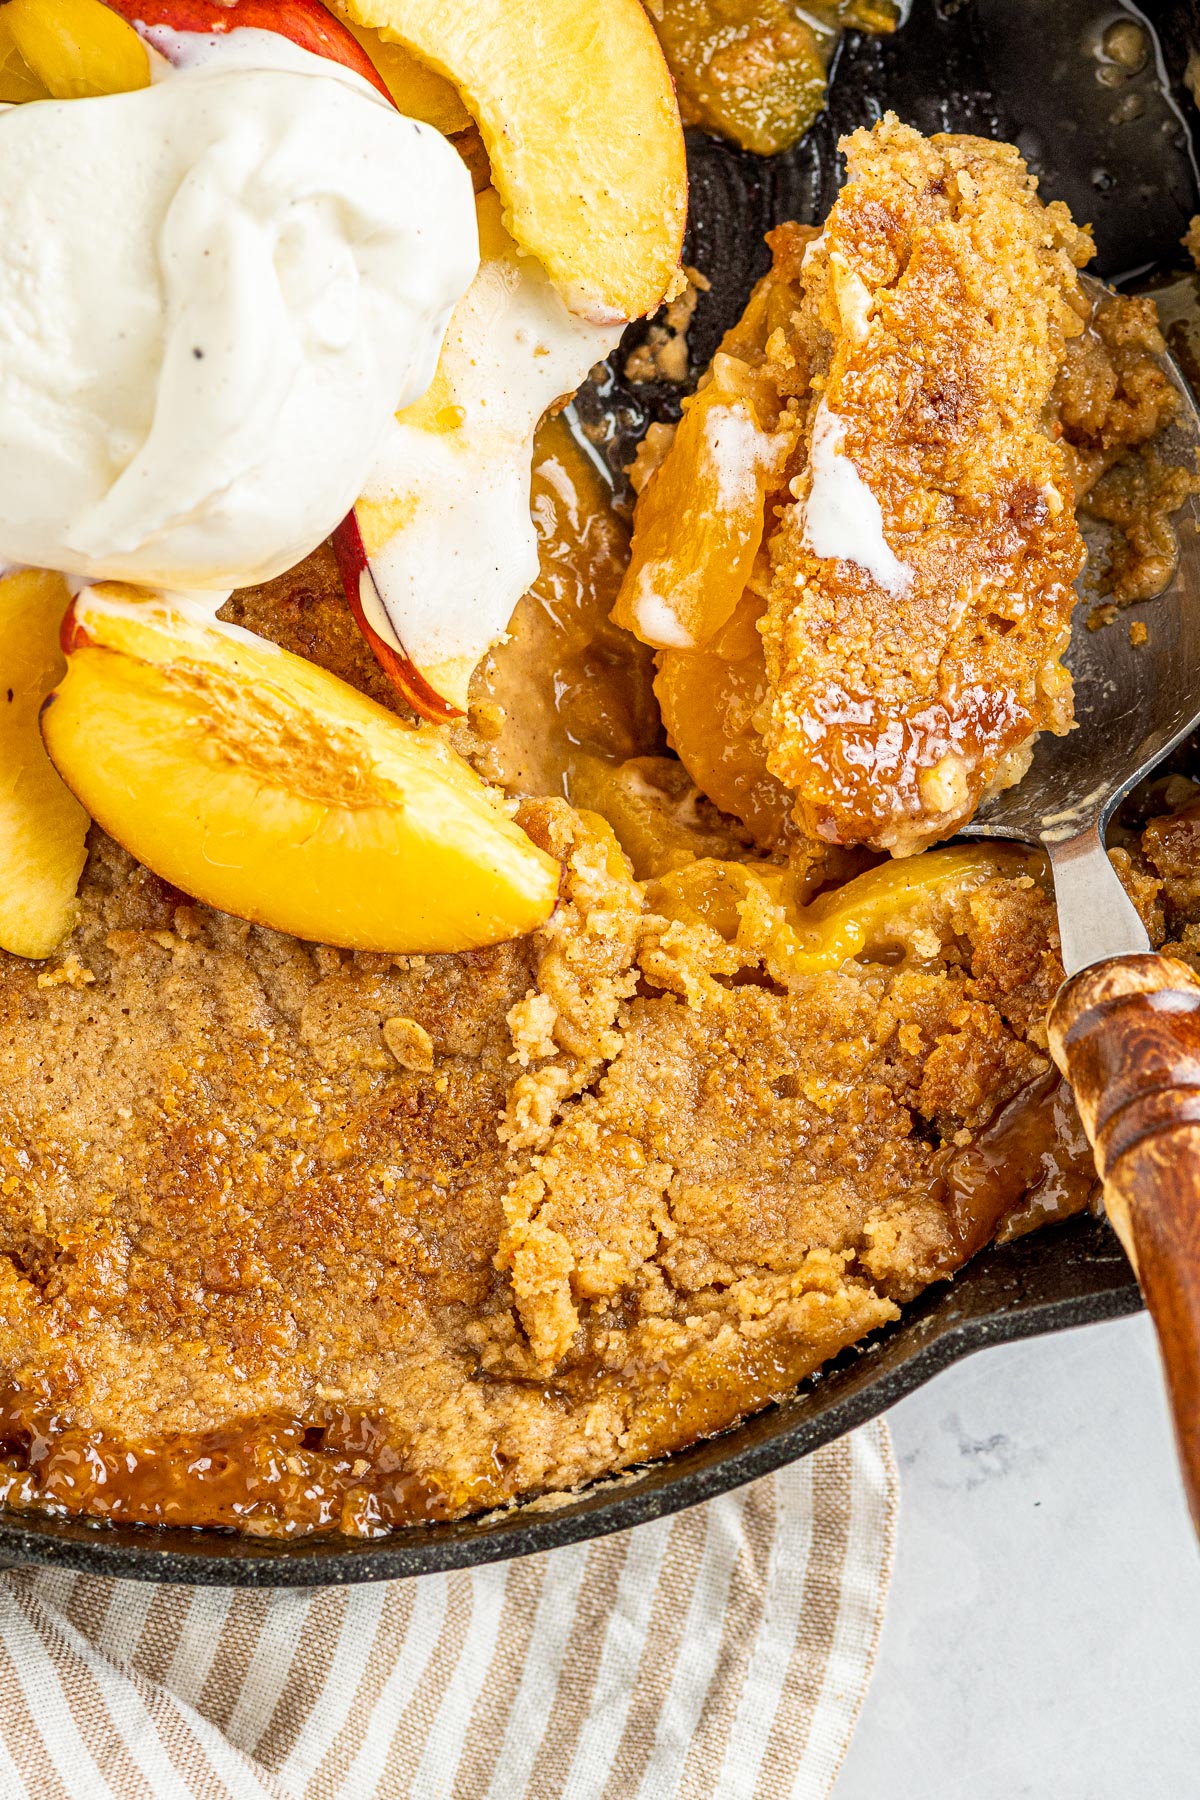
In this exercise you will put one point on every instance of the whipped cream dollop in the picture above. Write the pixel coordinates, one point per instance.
(215, 293)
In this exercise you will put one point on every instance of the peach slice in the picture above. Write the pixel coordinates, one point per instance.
(77, 48)
(578, 114)
(757, 909)
(751, 70)
(18, 82)
(414, 87)
(365, 601)
(699, 520)
(258, 783)
(441, 546)
(711, 700)
(417, 90)
(42, 825)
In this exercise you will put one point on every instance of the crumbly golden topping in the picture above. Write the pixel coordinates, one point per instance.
(1113, 398)
(938, 302)
(532, 1213)
(949, 668)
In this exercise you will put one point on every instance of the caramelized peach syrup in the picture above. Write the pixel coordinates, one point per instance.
(1030, 1166)
(267, 1477)
(566, 683)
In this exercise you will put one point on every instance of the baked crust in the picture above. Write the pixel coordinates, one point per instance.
(937, 305)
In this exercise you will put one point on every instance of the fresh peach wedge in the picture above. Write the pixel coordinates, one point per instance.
(74, 48)
(42, 825)
(77, 49)
(417, 90)
(411, 84)
(441, 546)
(365, 599)
(577, 110)
(258, 783)
(18, 82)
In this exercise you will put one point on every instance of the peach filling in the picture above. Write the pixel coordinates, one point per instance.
(260, 784)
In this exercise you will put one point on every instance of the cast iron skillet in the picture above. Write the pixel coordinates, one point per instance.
(1017, 69)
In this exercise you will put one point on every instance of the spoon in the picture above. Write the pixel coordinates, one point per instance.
(1124, 1028)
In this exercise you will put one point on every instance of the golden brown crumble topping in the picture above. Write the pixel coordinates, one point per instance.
(627, 1200)
(937, 305)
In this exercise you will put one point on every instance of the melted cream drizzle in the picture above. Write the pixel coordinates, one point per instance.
(842, 517)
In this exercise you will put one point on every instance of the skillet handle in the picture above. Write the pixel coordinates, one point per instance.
(1126, 1035)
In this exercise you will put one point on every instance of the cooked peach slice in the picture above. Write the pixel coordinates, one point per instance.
(756, 907)
(576, 108)
(751, 70)
(441, 546)
(703, 502)
(699, 520)
(42, 825)
(77, 48)
(264, 786)
(711, 700)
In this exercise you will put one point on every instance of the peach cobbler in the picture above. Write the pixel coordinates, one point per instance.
(485, 994)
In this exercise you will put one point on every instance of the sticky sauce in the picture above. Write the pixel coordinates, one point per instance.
(267, 1477)
(567, 681)
(1030, 1165)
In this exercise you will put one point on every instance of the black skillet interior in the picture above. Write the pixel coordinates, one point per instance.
(1122, 157)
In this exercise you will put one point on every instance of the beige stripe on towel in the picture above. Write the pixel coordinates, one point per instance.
(721, 1654)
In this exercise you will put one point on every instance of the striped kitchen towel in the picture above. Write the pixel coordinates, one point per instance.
(723, 1652)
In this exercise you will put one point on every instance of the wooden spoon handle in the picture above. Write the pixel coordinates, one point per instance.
(1126, 1035)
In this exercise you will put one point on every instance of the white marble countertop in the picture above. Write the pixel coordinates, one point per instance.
(1042, 1640)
